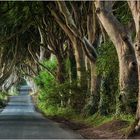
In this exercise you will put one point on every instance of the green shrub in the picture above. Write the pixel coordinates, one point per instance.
(53, 95)
(3, 98)
(58, 95)
(107, 66)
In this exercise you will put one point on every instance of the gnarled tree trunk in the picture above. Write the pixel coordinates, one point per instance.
(60, 69)
(71, 30)
(135, 10)
(126, 55)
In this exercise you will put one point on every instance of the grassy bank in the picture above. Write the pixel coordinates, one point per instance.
(94, 120)
(88, 126)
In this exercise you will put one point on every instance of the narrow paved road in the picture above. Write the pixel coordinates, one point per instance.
(19, 120)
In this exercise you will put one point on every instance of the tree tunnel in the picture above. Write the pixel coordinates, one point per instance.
(82, 55)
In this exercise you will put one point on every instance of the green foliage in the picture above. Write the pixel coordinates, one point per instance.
(53, 95)
(17, 16)
(97, 120)
(3, 99)
(51, 64)
(58, 111)
(122, 12)
(57, 95)
(125, 117)
(107, 61)
(3, 95)
(14, 90)
(46, 82)
(107, 66)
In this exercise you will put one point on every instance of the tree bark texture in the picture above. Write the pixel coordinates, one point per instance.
(127, 60)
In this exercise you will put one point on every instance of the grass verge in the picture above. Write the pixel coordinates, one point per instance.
(94, 120)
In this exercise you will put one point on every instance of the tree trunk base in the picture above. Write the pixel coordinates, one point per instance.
(134, 128)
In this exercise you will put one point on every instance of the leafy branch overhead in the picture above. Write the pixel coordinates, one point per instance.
(82, 55)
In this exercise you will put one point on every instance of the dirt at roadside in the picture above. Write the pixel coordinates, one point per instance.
(109, 130)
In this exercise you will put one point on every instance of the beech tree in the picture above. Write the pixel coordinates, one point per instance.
(135, 10)
(74, 33)
(126, 55)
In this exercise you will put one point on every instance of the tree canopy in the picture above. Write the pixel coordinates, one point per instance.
(78, 54)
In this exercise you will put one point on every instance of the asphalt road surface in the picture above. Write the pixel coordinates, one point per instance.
(19, 120)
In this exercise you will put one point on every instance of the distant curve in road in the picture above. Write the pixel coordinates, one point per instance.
(19, 120)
